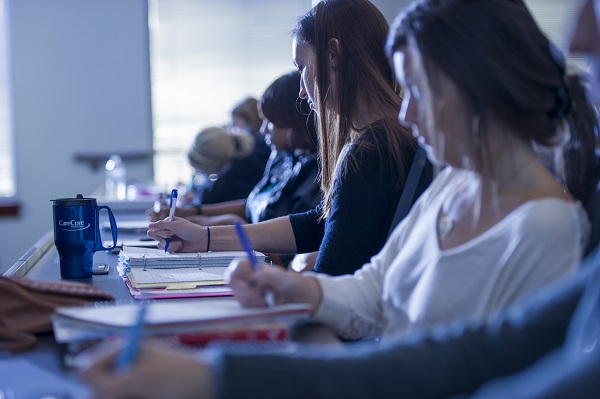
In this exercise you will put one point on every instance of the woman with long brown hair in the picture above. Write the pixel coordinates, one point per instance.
(365, 153)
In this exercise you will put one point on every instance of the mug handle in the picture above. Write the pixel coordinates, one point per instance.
(113, 228)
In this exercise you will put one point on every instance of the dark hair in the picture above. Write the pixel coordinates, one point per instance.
(363, 76)
(281, 105)
(247, 110)
(496, 54)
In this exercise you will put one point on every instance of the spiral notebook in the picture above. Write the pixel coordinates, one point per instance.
(153, 268)
(154, 258)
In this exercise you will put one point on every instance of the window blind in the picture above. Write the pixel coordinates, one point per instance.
(205, 57)
(556, 18)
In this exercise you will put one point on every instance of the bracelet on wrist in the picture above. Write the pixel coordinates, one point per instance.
(207, 238)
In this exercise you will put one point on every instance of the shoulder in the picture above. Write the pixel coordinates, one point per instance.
(551, 211)
(369, 150)
(375, 138)
(551, 220)
(540, 209)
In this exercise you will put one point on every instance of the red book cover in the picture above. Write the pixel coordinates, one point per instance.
(256, 332)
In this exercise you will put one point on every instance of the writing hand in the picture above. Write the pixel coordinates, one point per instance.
(185, 236)
(250, 286)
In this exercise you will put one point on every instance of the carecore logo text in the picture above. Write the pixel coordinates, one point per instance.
(73, 225)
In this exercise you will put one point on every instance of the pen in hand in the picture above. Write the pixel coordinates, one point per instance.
(246, 245)
(172, 205)
(132, 342)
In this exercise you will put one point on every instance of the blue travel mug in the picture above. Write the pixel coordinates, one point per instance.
(77, 234)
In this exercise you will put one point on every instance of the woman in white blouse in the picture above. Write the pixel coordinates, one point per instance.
(496, 224)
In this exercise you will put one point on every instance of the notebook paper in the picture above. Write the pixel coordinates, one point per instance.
(155, 258)
(176, 278)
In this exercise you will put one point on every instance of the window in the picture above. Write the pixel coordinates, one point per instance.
(556, 18)
(7, 167)
(205, 56)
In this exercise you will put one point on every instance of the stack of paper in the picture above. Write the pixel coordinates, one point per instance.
(147, 270)
(174, 292)
(184, 278)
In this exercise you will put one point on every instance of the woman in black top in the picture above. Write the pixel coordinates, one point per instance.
(365, 153)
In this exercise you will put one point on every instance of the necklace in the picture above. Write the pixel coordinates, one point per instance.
(445, 226)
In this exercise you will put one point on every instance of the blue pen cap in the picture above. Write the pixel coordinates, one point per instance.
(173, 195)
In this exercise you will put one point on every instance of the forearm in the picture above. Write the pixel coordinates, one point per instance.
(275, 235)
(236, 207)
(425, 367)
(446, 362)
(363, 371)
(351, 305)
(182, 212)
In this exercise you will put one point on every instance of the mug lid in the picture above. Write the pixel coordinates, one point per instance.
(80, 200)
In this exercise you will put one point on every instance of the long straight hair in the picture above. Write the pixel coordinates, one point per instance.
(364, 77)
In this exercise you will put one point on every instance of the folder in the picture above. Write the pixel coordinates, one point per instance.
(184, 278)
(174, 292)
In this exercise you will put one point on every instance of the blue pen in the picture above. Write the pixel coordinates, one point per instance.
(172, 205)
(134, 335)
(248, 248)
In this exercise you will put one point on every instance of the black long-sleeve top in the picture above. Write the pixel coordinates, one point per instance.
(364, 202)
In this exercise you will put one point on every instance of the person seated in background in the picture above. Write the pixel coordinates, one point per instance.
(245, 115)
(544, 348)
(228, 163)
(365, 153)
(239, 165)
(290, 181)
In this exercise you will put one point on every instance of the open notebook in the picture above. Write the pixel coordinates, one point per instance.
(154, 258)
(146, 268)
